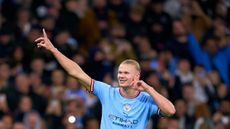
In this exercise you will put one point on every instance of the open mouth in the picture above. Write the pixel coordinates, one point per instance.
(122, 81)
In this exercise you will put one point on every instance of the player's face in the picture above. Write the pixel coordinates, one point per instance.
(127, 73)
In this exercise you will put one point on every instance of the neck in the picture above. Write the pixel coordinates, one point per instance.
(128, 92)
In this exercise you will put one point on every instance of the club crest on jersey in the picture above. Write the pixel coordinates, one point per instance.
(126, 107)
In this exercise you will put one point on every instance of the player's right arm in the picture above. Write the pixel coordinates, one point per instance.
(70, 66)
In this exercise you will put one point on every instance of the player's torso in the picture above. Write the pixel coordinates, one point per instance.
(120, 112)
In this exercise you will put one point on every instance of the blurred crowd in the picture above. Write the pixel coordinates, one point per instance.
(183, 47)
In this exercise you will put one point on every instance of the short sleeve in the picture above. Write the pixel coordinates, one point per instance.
(100, 89)
(153, 108)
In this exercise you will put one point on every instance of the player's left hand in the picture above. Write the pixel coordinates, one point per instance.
(44, 42)
(139, 85)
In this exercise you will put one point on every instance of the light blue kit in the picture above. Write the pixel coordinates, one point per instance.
(119, 112)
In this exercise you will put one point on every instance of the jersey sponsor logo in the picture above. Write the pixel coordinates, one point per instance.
(124, 122)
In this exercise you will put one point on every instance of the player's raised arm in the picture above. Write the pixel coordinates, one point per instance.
(166, 107)
(70, 66)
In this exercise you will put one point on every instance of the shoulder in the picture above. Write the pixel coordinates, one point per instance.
(100, 83)
(145, 97)
(145, 94)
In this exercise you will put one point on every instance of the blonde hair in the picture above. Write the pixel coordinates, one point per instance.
(132, 62)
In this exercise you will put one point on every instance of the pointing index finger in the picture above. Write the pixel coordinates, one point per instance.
(44, 33)
(132, 83)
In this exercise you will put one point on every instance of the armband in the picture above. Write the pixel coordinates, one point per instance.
(162, 114)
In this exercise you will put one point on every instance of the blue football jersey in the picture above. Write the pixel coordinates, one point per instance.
(119, 112)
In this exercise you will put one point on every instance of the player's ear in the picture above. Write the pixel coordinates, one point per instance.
(138, 76)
